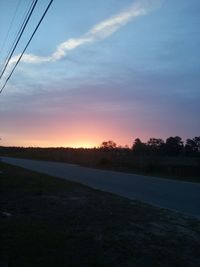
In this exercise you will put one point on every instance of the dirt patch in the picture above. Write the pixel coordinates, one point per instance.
(53, 222)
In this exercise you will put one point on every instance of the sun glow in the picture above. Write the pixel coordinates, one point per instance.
(81, 144)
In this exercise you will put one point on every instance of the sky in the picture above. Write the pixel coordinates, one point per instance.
(101, 70)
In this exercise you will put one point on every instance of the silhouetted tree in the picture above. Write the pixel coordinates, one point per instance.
(108, 145)
(138, 146)
(155, 145)
(174, 146)
(197, 142)
(192, 146)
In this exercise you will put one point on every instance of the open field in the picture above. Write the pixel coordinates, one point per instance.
(122, 160)
(47, 221)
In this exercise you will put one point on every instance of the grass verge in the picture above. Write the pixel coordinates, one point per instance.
(47, 221)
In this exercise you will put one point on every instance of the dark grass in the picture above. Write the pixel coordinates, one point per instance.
(47, 221)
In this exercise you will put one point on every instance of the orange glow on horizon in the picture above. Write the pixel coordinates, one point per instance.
(87, 133)
(81, 145)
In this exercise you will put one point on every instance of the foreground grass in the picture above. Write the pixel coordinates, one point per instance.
(47, 221)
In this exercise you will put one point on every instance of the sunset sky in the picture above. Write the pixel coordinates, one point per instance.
(102, 70)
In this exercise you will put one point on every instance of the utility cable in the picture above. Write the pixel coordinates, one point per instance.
(19, 37)
(27, 45)
(10, 27)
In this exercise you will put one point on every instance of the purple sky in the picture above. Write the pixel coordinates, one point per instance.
(101, 70)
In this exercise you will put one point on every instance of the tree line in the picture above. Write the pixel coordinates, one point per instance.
(171, 158)
(173, 146)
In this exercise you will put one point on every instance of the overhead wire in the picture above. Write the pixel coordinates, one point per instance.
(17, 34)
(19, 37)
(10, 26)
(30, 39)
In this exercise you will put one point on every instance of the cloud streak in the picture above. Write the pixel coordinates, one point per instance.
(98, 32)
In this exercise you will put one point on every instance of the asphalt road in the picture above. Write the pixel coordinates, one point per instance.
(177, 195)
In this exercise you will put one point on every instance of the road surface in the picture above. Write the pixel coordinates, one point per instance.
(176, 195)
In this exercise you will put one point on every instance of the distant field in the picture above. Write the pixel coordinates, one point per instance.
(176, 167)
(47, 221)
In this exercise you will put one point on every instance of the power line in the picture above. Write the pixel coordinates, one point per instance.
(27, 45)
(19, 37)
(17, 34)
(10, 27)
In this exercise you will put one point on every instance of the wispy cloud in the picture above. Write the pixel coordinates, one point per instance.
(98, 32)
